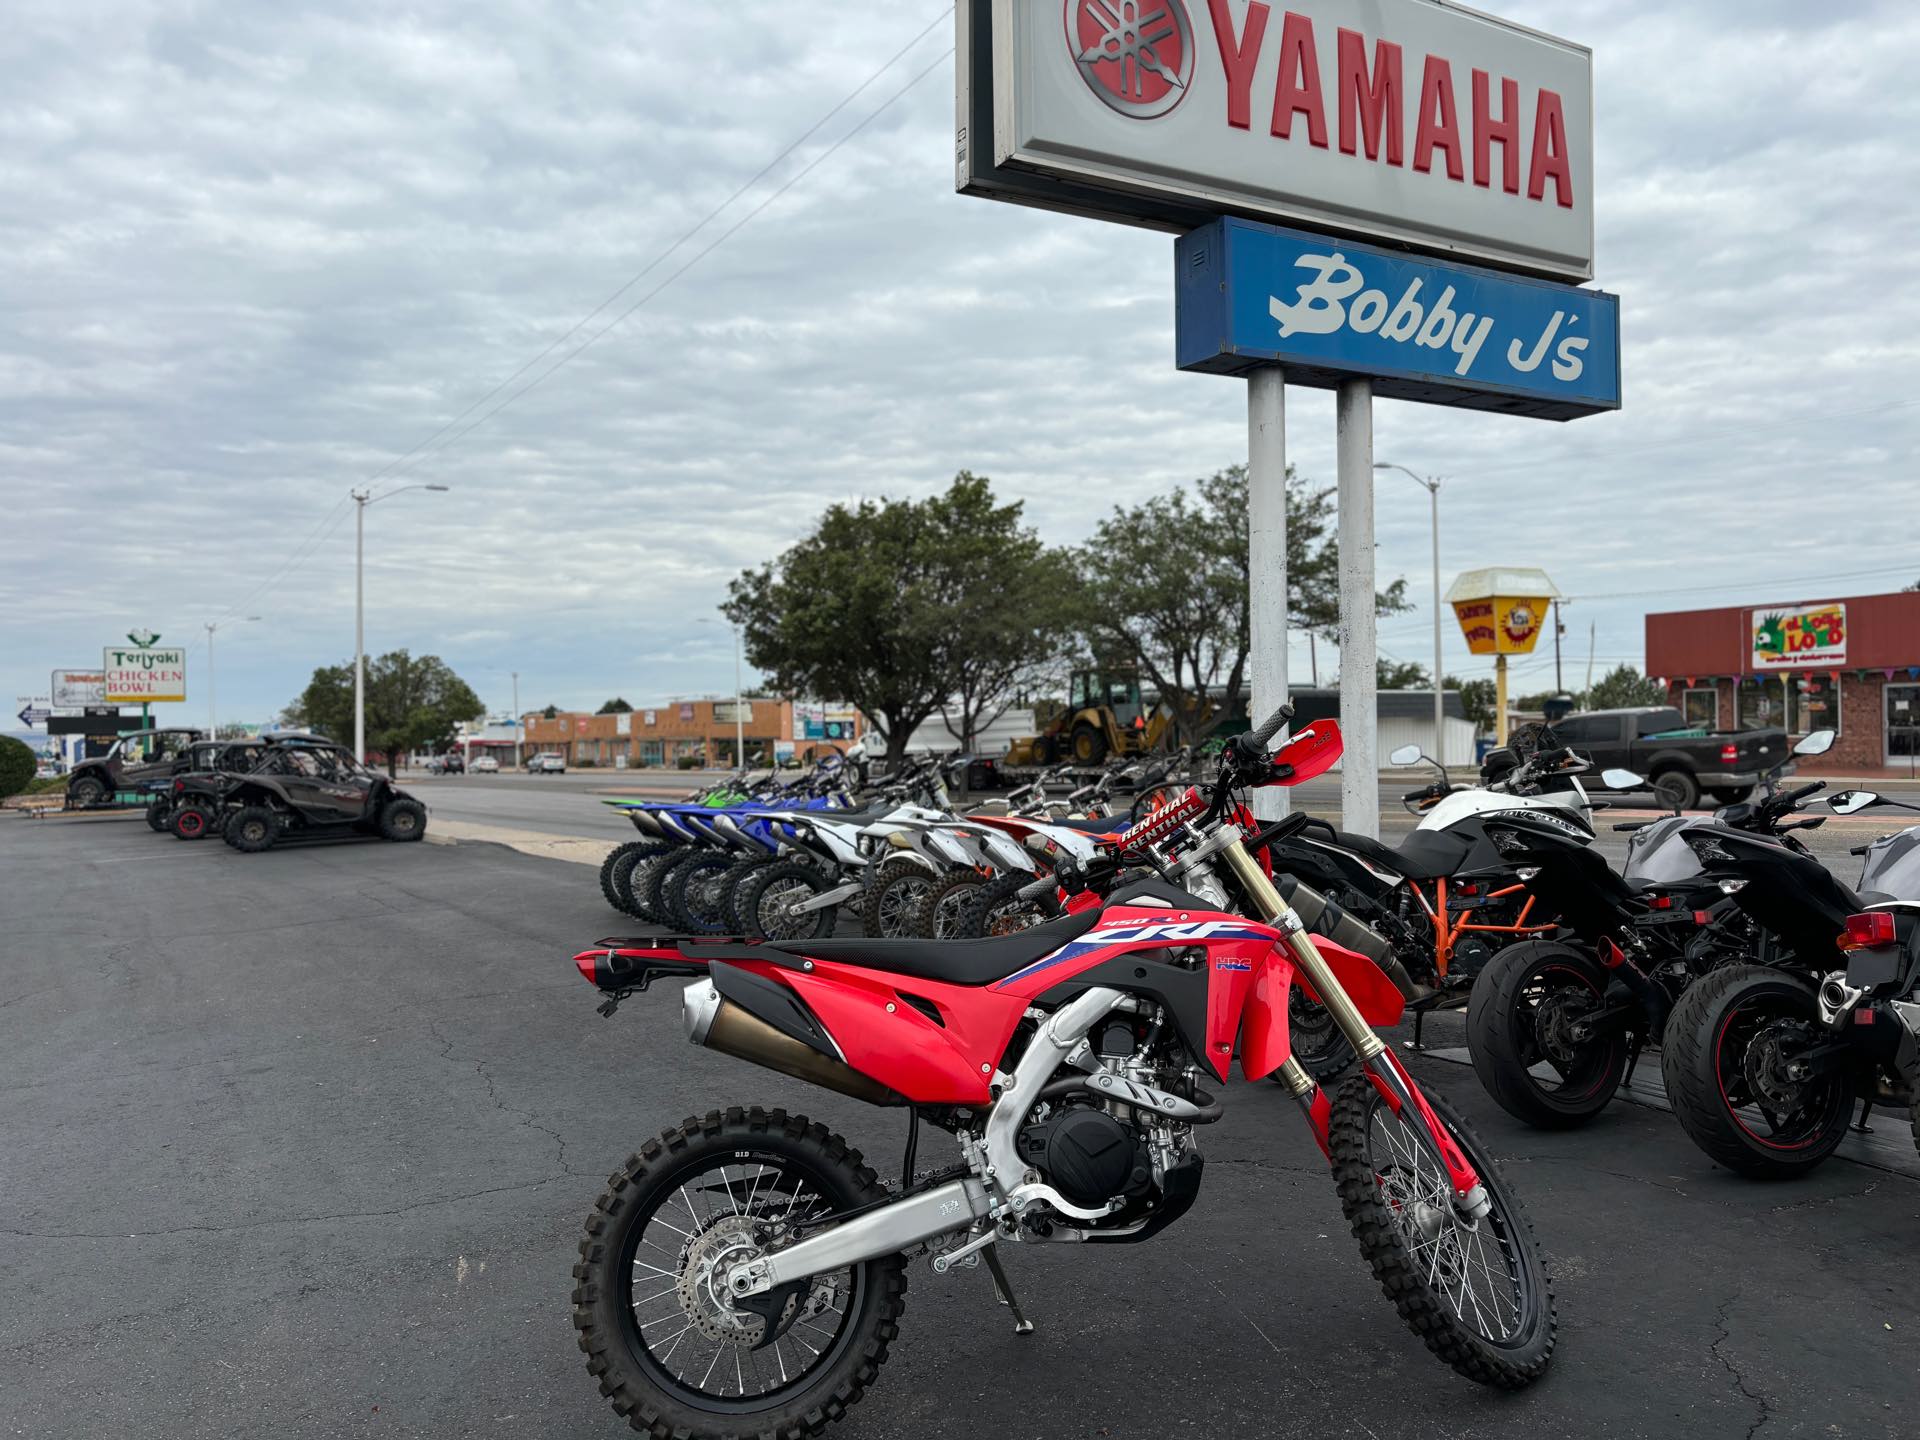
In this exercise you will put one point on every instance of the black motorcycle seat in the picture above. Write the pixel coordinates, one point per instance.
(953, 962)
(1094, 825)
(1425, 854)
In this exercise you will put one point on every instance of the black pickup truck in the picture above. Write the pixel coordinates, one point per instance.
(1680, 761)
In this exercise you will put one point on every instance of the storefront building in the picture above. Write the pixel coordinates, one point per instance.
(686, 733)
(1851, 665)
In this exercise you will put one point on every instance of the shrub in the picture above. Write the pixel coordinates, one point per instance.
(688, 762)
(16, 766)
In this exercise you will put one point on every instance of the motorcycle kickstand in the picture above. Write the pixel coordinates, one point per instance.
(1003, 1289)
(1633, 1059)
(1860, 1126)
(1419, 1024)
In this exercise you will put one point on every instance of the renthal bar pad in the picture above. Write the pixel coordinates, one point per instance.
(1161, 823)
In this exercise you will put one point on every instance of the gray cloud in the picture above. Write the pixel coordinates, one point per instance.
(255, 253)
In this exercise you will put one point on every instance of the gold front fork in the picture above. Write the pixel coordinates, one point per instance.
(1272, 908)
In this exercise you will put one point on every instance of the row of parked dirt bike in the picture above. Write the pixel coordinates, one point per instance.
(255, 793)
(1776, 995)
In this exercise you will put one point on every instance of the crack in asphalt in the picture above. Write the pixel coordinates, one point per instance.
(1818, 1200)
(426, 1204)
(1758, 1397)
(525, 1117)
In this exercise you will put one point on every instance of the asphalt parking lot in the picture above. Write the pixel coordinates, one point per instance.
(300, 1143)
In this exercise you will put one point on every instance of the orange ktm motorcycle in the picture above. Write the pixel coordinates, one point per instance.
(744, 1274)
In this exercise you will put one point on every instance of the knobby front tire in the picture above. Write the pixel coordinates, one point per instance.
(1480, 1299)
(657, 1215)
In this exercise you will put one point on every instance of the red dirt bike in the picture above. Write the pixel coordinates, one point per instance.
(744, 1274)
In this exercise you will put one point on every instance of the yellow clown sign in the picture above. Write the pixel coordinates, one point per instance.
(1502, 611)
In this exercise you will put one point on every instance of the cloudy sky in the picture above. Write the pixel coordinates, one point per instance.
(257, 253)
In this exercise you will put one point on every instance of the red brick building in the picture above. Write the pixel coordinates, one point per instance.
(1852, 665)
(657, 736)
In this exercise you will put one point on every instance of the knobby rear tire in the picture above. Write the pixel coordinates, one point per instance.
(996, 909)
(157, 811)
(1399, 1269)
(884, 899)
(252, 829)
(606, 1327)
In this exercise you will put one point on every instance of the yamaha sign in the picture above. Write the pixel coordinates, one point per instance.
(1416, 123)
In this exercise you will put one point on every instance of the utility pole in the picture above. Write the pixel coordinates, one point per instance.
(516, 720)
(1559, 685)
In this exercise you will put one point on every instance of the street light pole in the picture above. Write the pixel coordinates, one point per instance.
(363, 497)
(213, 707)
(739, 716)
(1432, 484)
(516, 720)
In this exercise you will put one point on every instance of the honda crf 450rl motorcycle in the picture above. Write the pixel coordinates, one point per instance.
(745, 1273)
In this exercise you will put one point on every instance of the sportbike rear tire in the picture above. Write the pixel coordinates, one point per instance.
(651, 1228)
(1710, 1068)
(1453, 1286)
(695, 902)
(1518, 1014)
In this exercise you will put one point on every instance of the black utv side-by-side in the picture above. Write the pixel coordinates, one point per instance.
(134, 763)
(312, 791)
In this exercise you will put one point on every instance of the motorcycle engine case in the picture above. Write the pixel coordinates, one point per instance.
(1087, 1155)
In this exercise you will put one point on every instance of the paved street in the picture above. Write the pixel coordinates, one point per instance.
(299, 1144)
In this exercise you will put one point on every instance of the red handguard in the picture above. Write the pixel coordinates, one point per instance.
(1161, 823)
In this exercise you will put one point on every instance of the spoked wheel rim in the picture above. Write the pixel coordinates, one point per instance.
(1472, 1264)
(680, 1323)
(706, 896)
(895, 906)
(1551, 1006)
(1754, 1051)
(948, 910)
(1011, 917)
(774, 909)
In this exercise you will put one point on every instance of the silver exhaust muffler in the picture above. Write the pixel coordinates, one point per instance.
(717, 1023)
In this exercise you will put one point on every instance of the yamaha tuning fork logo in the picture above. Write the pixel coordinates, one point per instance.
(1136, 55)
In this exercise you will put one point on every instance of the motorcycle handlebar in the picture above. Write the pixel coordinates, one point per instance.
(1270, 727)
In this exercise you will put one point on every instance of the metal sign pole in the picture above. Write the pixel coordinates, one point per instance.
(1267, 559)
(1359, 768)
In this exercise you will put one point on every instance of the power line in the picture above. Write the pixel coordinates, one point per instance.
(697, 257)
(657, 260)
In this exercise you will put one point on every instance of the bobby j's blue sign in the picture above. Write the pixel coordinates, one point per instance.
(1251, 295)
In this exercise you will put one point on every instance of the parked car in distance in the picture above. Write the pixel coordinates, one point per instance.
(484, 765)
(548, 762)
(1680, 762)
(450, 763)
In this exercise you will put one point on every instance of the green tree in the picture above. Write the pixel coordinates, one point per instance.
(1000, 590)
(1477, 698)
(615, 706)
(1624, 686)
(1165, 586)
(411, 703)
(898, 607)
(552, 712)
(1400, 675)
(16, 766)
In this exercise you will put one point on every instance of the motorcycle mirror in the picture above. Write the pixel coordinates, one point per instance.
(1405, 755)
(1848, 802)
(1815, 742)
(1618, 779)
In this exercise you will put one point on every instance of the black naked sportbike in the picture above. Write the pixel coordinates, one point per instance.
(1763, 1062)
